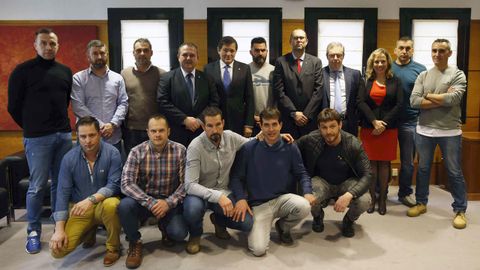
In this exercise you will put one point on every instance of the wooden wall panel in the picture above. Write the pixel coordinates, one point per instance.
(196, 31)
(387, 34)
(474, 54)
(473, 98)
(10, 142)
(287, 27)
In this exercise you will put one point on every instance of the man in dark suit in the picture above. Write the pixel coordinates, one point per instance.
(183, 93)
(345, 81)
(233, 80)
(298, 86)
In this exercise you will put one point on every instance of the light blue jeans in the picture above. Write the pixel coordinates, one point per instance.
(44, 155)
(452, 154)
(406, 140)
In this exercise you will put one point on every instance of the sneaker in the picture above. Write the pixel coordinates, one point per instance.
(111, 257)
(460, 221)
(347, 227)
(407, 201)
(220, 231)
(193, 245)
(134, 255)
(33, 244)
(285, 237)
(417, 210)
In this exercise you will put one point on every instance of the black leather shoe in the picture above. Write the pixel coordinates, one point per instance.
(317, 225)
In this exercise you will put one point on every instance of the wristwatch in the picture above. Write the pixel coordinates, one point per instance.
(92, 199)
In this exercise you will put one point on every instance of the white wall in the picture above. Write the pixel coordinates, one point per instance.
(197, 9)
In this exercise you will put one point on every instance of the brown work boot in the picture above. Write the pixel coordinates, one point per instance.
(193, 245)
(111, 257)
(134, 255)
(220, 232)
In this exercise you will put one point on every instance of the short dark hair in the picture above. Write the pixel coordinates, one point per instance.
(227, 40)
(87, 121)
(189, 45)
(158, 116)
(443, 40)
(43, 30)
(211, 111)
(270, 113)
(142, 40)
(327, 115)
(257, 40)
(95, 43)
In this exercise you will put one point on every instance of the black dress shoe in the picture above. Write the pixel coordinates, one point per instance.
(317, 224)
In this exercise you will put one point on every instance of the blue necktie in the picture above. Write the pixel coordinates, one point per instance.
(338, 93)
(190, 86)
(226, 78)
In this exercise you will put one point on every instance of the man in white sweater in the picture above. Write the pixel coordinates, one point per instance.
(438, 94)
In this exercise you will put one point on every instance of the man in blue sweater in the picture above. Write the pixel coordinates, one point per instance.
(266, 174)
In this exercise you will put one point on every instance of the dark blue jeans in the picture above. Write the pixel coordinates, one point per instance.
(44, 155)
(452, 154)
(131, 212)
(406, 140)
(195, 208)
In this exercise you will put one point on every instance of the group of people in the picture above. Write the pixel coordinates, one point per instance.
(252, 142)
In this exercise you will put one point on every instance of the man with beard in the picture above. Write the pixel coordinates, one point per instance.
(141, 82)
(298, 86)
(209, 159)
(340, 169)
(99, 92)
(262, 75)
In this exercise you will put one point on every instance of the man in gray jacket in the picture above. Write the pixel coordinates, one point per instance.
(438, 94)
(339, 168)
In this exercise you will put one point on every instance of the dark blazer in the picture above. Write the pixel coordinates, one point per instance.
(295, 91)
(390, 108)
(176, 104)
(237, 102)
(353, 82)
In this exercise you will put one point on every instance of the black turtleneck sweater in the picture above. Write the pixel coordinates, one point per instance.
(38, 97)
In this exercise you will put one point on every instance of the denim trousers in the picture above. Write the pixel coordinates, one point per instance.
(131, 212)
(44, 155)
(406, 141)
(451, 148)
(194, 209)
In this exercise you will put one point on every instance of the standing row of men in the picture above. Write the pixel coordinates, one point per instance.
(297, 83)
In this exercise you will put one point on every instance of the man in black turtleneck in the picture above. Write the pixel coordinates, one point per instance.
(38, 97)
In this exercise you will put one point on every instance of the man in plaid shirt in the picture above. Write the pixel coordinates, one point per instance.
(153, 182)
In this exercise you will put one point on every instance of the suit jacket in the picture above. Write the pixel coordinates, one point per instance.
(390, 108)
(353, 82)
(176, 103)
(237, 102)
(295, 91)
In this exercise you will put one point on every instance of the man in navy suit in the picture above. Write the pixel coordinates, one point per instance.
(183, 93)
(233, 80)
(341, 86)
(298, 86)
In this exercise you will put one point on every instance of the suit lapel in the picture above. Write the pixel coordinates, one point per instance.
(326, 85)
(293, 65)
(180, 80)
(347, 75)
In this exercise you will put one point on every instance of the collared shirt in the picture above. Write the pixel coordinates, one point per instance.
(149, 175)
(76, 181)
(230, 69)
(185, 76)
(207, 173)
(103, 97)
(341, 78)
(301, 58)
(136, 68)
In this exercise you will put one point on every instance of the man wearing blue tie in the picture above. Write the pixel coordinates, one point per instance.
(233, 80)
(341, 87)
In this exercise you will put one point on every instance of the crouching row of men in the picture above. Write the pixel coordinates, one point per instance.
(247, 183)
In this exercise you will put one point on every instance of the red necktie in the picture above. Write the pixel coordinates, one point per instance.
(299, 66)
